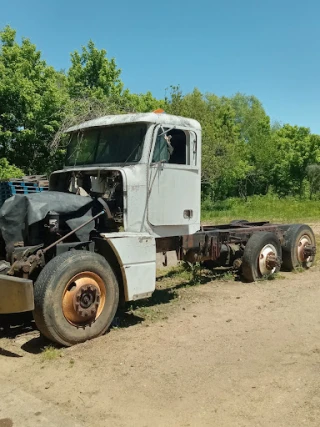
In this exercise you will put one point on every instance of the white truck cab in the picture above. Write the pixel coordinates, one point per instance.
(159, 159)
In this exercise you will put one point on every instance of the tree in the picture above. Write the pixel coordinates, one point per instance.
(313, 174)
(92, 74)
(255, 131)
(297, 149)
(142, 103)
(31, 104)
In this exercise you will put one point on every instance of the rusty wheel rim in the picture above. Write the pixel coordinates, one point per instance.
(83, 298)
(304, 240)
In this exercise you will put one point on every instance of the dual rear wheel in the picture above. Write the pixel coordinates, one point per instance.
(264, 255)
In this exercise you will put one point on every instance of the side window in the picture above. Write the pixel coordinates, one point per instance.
(179, 144)
(160, 152)
(178, 154)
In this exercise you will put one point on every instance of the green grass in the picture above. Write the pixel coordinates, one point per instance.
(275, 276)
(50, 353)
(259, 208)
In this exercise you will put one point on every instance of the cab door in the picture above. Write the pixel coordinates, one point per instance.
(174, 178)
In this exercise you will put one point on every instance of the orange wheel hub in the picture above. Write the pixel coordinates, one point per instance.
(84, 298)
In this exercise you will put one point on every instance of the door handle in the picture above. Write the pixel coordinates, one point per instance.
(188, 213)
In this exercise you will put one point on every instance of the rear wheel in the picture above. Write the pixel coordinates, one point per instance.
(299, 247)
(76, 297)
(261, 257)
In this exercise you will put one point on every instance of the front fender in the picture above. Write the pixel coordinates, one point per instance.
(136, 255)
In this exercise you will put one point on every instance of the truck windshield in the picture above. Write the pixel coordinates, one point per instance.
(113, 144)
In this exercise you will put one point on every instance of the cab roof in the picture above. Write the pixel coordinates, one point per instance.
(118, 119)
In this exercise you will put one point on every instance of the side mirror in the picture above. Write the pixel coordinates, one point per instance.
(194, 146)
(168, 140)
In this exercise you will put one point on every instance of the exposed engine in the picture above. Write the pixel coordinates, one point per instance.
(78, 207)
(100, 185)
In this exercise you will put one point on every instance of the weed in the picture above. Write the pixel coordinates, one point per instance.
(195, 272)
(299, 270)
(50, 353)
(170, 272)
(227, 276)
(274, 276)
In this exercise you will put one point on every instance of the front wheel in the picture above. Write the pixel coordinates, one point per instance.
(261, 257)
(76, 297)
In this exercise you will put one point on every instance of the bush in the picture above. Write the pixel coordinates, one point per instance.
(8, 171)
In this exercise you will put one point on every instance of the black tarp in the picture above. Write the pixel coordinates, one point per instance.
(22, 211)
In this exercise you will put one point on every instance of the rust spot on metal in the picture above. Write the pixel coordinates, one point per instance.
(272, 261)
(309, 250)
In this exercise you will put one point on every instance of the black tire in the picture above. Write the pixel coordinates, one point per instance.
(51, 288)
(290, 248)
(260, 243)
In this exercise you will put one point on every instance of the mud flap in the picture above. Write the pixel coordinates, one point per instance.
(16, 295)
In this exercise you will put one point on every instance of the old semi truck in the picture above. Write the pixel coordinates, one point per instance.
(130, 189)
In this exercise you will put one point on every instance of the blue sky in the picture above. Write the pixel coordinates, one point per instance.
(268, 48)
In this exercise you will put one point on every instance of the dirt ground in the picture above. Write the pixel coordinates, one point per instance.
(223, 353)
